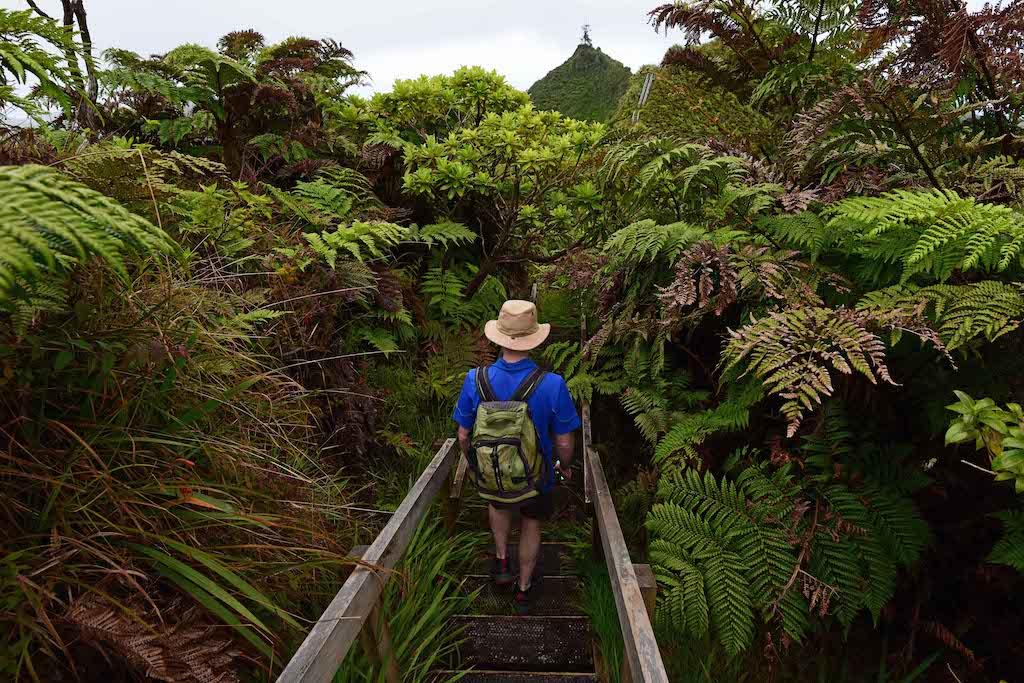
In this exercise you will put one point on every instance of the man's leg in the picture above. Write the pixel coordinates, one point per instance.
(501, 526)
(529, 548)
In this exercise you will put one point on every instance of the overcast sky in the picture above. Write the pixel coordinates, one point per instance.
(522, 39)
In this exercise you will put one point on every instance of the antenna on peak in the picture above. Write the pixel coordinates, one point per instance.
(585, 40)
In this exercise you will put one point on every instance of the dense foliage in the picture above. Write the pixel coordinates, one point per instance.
(235, 310)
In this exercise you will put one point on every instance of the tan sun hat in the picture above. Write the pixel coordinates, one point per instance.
(516, 327)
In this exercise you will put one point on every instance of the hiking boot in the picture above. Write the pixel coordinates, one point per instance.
(501, 572)
(523, 597)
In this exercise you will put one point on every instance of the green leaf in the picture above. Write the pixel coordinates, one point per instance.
(1008, 460)
(63, 359)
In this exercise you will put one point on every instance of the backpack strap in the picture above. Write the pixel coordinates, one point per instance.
(483, 384)
(529, 385)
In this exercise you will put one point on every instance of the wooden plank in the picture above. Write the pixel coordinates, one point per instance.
(637, 633)
(324, 649)
(586, 447)
(649, 590)
(452, 494)
(460, 477)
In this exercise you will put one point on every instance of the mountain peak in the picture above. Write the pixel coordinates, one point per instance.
(586, 86)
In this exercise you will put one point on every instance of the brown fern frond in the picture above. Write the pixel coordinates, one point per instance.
(179, 649)
(795, 351)
(705, 277)
(949, 639)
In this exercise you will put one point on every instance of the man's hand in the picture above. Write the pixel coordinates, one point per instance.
(464, 440)
(564, 470)
(563, 451)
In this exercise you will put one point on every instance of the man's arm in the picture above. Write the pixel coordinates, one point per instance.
(564, 453)
(464, 439)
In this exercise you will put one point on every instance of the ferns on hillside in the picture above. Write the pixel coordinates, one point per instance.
(46, 219)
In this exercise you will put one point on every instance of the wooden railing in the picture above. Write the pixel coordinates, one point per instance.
(355, 611)
(633, 585)
(356, 608)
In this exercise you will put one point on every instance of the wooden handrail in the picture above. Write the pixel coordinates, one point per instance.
(324, 649)
(642, 657)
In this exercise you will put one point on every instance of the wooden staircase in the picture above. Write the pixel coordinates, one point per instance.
(552, 644)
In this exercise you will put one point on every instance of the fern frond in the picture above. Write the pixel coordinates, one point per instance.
(1009, 549)
(45, 216)
(445, 234)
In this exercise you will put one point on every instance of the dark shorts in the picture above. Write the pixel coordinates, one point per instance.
(540, 508)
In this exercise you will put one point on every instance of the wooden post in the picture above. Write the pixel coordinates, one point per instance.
(453, 499)
(451, 490)
(376, 639)
(649, 592)
(375, 636)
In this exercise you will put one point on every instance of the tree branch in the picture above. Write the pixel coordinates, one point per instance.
(33, 5)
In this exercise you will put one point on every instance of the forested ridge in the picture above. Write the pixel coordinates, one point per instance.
(237, 303)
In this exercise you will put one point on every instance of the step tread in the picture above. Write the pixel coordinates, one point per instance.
(525, 644)
(554, 559)
(551, 596)
(519, 677)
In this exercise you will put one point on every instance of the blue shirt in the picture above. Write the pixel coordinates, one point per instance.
(550, 406)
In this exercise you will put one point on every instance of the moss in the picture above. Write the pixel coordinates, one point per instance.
(587, 86)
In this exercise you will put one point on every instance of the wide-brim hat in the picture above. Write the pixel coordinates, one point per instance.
(516, 327)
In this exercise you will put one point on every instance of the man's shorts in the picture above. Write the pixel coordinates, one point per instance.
(540, 508)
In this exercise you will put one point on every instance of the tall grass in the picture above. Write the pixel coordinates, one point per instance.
(418, 603)
(160, 500)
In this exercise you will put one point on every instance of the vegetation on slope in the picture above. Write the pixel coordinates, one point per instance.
(690, 106)
(587, 86)
(228, 340)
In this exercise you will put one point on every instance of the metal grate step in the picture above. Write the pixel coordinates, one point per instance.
(534, 643)
(554, 559)
(518, 677)
(550, 596)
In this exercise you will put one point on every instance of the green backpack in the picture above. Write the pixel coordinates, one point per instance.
(505, 456)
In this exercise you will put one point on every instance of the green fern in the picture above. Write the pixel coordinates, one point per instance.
(21, 56)
(933, 232)
(959, 314)
(444, 290)
(358, 240)
(1009, 550)
(788, 547)
(45, 216)
(445, 234)
(645, 241)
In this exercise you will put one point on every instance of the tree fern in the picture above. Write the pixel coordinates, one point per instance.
(21, 56)
(45, 216)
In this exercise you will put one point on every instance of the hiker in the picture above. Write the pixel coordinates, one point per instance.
(511, 416)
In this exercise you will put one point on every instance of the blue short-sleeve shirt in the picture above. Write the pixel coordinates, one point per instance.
(550, 406)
